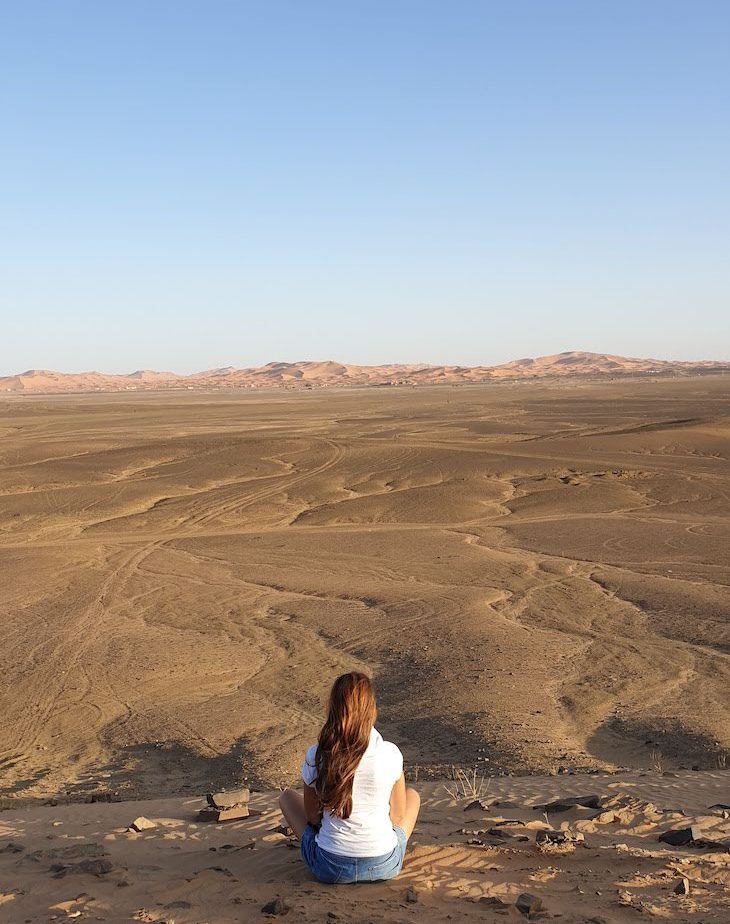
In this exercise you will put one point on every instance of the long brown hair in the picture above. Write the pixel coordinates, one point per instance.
(343, 740)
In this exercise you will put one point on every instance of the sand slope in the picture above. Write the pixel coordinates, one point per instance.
(537, 576)
(187, 872)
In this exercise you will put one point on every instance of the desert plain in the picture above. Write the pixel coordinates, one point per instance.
(535, 573)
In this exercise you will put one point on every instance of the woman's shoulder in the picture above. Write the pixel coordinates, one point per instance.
(391, 754)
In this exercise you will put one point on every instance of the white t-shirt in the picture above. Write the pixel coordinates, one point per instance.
(368, 832)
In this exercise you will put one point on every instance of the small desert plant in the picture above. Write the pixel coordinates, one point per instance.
(657, 761)
(467, 785)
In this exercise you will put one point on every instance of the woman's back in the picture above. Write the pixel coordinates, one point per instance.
(368, 832)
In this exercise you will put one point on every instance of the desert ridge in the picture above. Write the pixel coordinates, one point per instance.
(329, 374)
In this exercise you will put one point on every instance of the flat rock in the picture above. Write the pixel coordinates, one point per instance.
(223, 814)
(70, 852)
(570, 802)
(142, 824)
(225, 800)
(506, 834)
(94, 866)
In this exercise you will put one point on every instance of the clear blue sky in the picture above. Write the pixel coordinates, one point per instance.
(194, 184)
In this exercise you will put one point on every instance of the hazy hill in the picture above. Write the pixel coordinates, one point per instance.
(329, 373)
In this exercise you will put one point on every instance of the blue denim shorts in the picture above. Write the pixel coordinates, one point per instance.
(332, 868)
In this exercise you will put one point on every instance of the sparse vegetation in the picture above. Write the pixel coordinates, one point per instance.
(467, 785)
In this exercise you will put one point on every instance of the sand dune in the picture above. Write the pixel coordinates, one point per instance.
(327, 374)
(83, 862)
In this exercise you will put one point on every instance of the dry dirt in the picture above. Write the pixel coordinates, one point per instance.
(181, 871)
(536, 574)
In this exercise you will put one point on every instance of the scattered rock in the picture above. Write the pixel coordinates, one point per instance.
(71, 852)
(411, 894)
(559, 837)
(528, 904)
(682, 887)
(480, 804)
(226, 800)
(224, 814)
(570, 802)
(275, 907)
(142, 824)
(681, 837)
(12, 848)
(506, 834)
(606, 818)
(96, 867)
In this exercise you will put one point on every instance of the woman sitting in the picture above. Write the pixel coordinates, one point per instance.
(356, 814)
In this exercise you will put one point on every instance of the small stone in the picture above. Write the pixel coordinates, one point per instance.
(682, 887)
(275, 907)
(681, 837)
(97, 867)
(142, 824)
(477, 804)
(411, 894)
(12, 847)
(528, 904)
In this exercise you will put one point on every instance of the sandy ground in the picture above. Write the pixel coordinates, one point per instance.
(536, 574)
(187, 872)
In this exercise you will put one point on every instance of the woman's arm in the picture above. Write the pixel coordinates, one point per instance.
(312, 808)
(398, 801)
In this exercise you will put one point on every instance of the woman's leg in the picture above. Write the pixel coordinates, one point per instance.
(413, 805)
(291, 804)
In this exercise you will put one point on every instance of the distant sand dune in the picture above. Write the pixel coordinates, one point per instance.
(327, 374)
